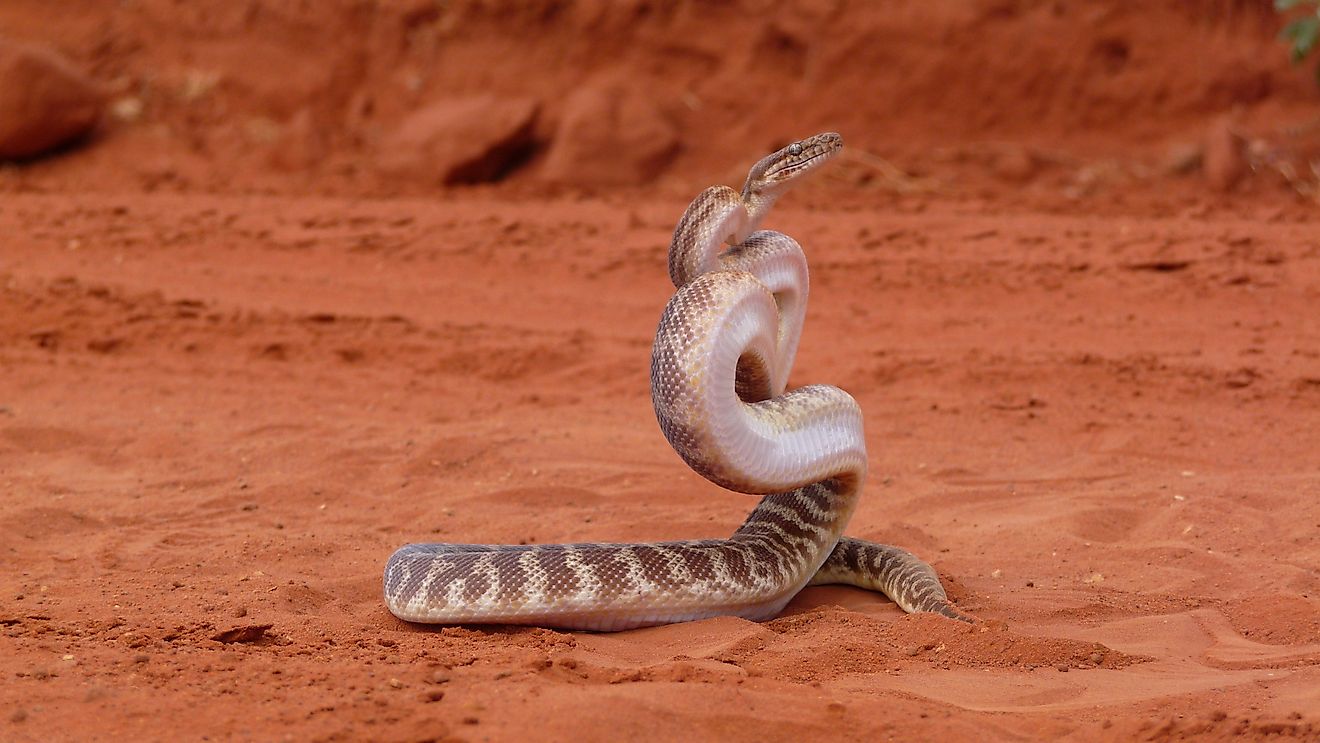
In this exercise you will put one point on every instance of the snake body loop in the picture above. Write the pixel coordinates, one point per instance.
(719, 370)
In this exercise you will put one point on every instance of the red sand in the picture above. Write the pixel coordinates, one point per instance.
(234, 381)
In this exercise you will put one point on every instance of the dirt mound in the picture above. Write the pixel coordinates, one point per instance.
(939, 89)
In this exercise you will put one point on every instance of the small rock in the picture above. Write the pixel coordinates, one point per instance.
(395, 684)
(433, 695)
(45, 102)
(1062, 667)
(611, 133)
(463, 140)
(18, 715)
(141, 658)
(248, 633)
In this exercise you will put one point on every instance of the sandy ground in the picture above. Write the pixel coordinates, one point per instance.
(1092, 398)
(223, 413)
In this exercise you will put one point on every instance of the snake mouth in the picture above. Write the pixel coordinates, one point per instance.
(777, 170)
(793, 167)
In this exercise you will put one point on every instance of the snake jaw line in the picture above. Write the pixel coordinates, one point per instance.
(775, 172)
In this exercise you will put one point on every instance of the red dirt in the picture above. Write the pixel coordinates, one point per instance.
(240, 366)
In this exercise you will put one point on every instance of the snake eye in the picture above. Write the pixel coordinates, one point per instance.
(795, 149)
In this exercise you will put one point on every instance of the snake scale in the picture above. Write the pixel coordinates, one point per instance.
(719, 366)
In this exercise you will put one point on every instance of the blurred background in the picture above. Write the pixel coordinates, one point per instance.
(1039, 100)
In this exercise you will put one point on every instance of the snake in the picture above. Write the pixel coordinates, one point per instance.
(719, 369)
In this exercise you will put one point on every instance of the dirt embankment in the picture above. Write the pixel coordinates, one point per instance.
(996, 99)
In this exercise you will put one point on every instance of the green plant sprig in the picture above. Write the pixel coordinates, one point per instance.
(1301, 33)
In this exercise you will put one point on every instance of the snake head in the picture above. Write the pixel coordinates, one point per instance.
(775, 172)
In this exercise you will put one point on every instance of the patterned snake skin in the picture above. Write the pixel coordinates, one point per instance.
(719, 366)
